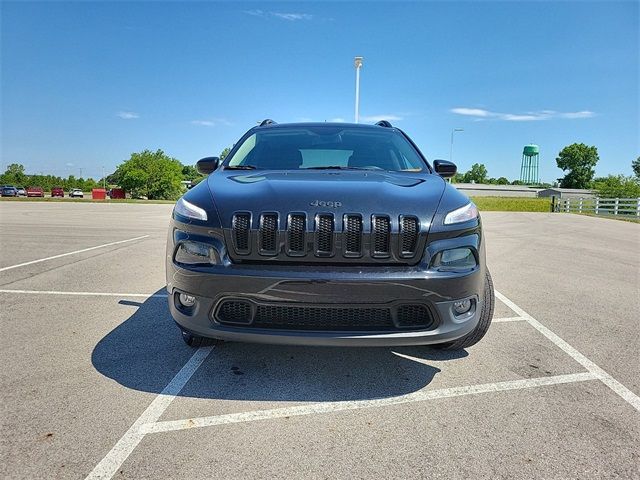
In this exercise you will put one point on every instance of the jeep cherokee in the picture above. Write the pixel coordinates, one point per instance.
(328, 234)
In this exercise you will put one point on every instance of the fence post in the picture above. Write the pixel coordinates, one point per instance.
(597, 205)
(567, 205)
(553, 203)
(580, 205)
(638, 209)
(615, 208)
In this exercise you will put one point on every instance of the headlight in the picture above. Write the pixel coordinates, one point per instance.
(455, 259)
(463, 214)
(196, 253)
(190, 210)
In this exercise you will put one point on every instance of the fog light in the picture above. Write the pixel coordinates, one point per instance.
(187, 300)
(462, 306)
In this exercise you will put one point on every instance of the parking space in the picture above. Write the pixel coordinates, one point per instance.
(97, 382)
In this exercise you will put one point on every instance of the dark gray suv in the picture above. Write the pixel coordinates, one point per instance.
(328, 234)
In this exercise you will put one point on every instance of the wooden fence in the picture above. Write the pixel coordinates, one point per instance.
(597, 206)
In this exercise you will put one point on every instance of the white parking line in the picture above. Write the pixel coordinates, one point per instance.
(110, 464)
(419, 396)
(508, 319)
(90, 294)
(626, 394)
(72, 253)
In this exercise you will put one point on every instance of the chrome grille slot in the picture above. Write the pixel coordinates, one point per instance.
(240, 232)
(381, 233)
(268, 234)
(352, 229)
(296, 230)
(324, 235)
(409, 227)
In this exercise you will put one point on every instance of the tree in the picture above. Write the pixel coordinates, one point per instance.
(154, 175)
(502, 181)
(477, 174)
(14, 175)
(224, 153)
(578, 160)
(617, 186)
(635, 165)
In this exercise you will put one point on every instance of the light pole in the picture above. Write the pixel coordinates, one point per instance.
(104, 180)
(451, 148)
(357, 62)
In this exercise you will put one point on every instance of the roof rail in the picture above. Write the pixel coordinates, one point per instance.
(267, 121)
(384, 123)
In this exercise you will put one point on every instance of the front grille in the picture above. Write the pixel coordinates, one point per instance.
(308, 317)
(324, 235)
(296, 229)
(240, 226)
(409, 236)
(268, 234)
(350, 238)
(381, 227)
(237, 311)
(322, 318)
(352, 235)
(414, 315)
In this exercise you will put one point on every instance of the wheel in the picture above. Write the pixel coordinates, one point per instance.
(486, 315)
(197, 341)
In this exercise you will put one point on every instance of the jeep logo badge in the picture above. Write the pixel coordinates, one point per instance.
(320, 203)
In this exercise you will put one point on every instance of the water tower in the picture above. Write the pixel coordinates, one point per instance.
(529, 167)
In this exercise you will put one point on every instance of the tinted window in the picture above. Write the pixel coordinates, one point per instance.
(321, 147)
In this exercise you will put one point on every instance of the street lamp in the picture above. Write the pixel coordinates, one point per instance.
(357, 62)
(451, 148)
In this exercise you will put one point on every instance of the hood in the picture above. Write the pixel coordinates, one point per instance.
(327, 191)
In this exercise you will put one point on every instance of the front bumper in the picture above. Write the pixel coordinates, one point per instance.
(324, 286)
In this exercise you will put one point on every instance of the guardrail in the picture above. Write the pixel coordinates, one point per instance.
(597, 206)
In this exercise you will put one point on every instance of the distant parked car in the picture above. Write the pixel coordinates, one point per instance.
(76, 193)
(9, 191)
(35, 192)
(57, 192)
(21, 191)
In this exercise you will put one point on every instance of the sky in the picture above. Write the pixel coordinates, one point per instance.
(85, 84)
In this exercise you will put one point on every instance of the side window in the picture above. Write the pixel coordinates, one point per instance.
(245, 149)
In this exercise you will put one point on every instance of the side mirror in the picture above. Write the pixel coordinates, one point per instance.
(207, 165)
(445, 168)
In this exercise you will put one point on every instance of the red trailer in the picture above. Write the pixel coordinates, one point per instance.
(98, 194)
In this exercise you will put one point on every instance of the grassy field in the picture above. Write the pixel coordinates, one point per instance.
(512, 204)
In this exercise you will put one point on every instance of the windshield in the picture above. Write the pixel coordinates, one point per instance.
(327, 147)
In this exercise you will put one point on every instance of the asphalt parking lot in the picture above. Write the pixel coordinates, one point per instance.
(96, 382)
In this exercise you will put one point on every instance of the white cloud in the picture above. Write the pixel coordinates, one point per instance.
(69, 164)
(337, 120)
(127, 115)
(376, 118)
(472, 112)
(481, 114)
(292, 17)
(214, 122)
(288, 16)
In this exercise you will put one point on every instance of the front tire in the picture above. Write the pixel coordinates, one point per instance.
(486, 315)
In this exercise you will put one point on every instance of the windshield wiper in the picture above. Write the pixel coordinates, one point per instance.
(240, 167)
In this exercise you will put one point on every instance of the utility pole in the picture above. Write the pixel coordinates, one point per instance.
(358, 64)
(451, 147)
(104, 180)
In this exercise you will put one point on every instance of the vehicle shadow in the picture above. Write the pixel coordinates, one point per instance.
(146, 351)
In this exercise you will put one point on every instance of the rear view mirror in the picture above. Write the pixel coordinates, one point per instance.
(445, 168)
(207, 165)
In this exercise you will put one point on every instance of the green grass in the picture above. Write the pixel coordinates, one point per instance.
(67, 199)
(512, 204)
(621, 218)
